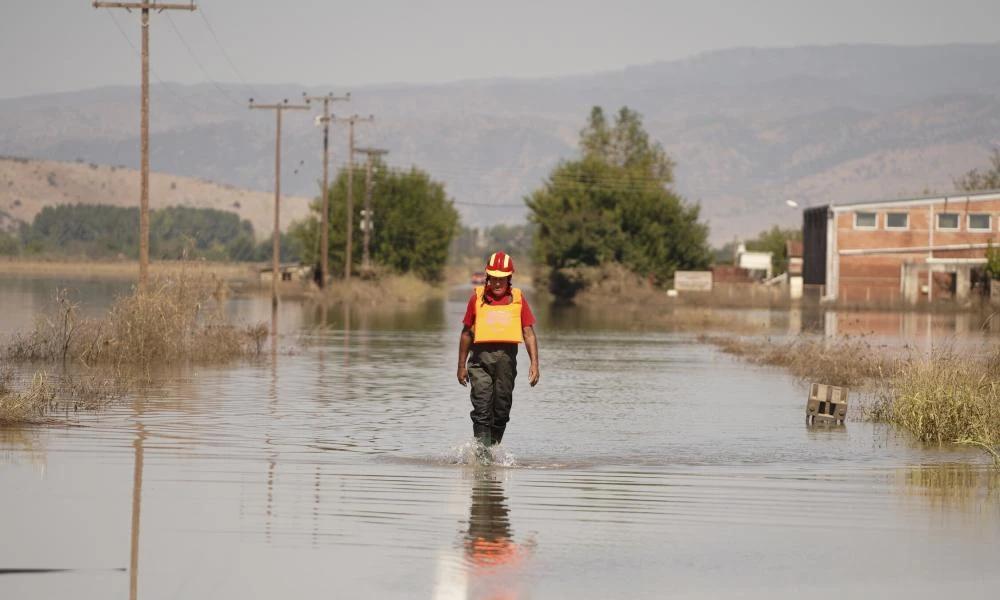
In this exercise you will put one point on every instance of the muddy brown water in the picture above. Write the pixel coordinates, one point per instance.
(644, 465)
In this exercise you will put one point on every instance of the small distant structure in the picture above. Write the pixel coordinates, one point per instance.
(730, 274)
(693, 281)
(826, 404)
(288, 272)
(793, 250)
(758, 264)
(899, 251)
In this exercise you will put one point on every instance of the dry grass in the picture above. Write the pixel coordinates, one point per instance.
(125, 269)
(29, 404)
(381, 290)
(175, 320)
(26, 191)
(46, 395)
(945, 398)
(848, 361)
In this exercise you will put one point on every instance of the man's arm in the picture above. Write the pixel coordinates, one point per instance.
(464, 345)
(531, 343)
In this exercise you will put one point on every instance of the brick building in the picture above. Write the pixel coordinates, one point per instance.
(899, 251)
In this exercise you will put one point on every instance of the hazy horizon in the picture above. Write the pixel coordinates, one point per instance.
(439, 41)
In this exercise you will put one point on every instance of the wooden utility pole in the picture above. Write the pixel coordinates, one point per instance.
(351, 120)
(324, 268)
(366, 214)
(278, 109)
(145, 7)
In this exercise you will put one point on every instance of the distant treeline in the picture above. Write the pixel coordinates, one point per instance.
(104, 231)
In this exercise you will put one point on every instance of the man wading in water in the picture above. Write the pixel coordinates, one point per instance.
(497, 319)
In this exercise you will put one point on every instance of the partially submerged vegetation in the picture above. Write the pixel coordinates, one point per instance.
(945, 398)
(847, 362)
(45, 396)
(382, 288)
(941, 397)
(174, 320)
(25, 405)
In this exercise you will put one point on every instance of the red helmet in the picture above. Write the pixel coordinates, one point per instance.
(499, 265)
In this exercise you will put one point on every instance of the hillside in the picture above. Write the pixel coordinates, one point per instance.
(749, 128)
(27, 186)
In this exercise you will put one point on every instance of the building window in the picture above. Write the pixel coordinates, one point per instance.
(865, 220)
(897, 220)
(979, 222)
(947, 221)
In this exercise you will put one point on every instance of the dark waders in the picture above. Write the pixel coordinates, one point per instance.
(492, 369)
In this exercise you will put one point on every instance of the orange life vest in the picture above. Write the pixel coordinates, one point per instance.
(498, 322)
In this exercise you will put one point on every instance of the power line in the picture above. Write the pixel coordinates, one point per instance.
(625, 183)
(198, 62)
(128, 40)
(211, 30)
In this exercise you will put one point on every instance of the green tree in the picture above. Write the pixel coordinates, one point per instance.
(101, 231)
(614, 205)
(773, 241)
(477, 244)
(414, 223)
(992, 268)
(977, 181)
(9, 244)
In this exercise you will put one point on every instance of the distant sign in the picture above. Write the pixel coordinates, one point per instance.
(693, 281)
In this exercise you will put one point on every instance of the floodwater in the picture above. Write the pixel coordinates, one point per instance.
(643, 465)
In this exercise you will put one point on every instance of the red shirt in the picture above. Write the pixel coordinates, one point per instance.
(527, 318)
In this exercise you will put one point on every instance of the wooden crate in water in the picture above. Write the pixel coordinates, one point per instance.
(827, 403)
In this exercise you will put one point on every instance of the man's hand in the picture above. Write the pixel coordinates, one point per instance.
(463, 375)
(533, 374)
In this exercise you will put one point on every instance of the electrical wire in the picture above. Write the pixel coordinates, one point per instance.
(139, 54)
(204, 17)
(197, 62)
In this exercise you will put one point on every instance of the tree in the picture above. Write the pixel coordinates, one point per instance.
(9, 245)
(773, 241)
(976, 181)
(101, 231)
(614, 205)
(477, 244)
(414, 223)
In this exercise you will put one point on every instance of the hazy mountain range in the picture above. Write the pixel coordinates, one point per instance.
(748, 128)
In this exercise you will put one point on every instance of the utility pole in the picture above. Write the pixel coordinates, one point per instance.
(324, 268)
(145, 7)
(351, 120)
(366, 214)
(278, 109)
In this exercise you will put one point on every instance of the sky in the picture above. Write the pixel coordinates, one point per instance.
(65, 45)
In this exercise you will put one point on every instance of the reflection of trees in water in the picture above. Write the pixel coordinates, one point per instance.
(413, 315)
(966, 488)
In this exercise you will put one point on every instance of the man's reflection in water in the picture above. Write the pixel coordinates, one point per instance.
(493, 558)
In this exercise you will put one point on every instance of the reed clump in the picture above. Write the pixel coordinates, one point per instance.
(174, 320)
(845, 361)
(945, 398)
(25, 405)
(45, 395)
(380, 288)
